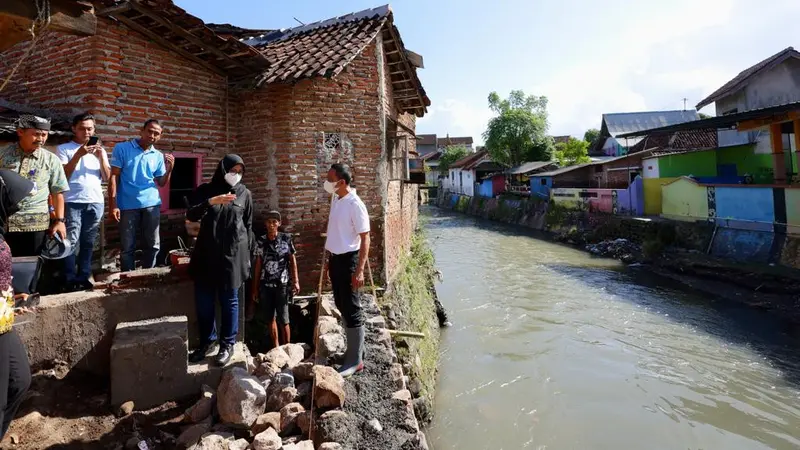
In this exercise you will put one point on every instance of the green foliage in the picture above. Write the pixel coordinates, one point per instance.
(518, 132)
(412, 296)
(591, 135)
(704, 116)
(450, 155)
(572, 152)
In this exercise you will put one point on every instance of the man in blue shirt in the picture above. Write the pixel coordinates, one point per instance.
(137, 170)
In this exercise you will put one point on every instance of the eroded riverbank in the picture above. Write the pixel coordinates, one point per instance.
(553, 348)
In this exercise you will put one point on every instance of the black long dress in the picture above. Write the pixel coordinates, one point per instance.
(221, 256)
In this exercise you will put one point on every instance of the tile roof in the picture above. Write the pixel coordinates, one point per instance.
(445, 141)
(325, 48)
(740, 80)
(426, 139)
(561, 139)
(432, 156)
(680, 140)
(469, 160)
(529, 167)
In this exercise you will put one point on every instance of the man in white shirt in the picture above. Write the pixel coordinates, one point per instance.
(86, 166)
(348, 242)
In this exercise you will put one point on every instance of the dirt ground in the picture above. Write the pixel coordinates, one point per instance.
(72, 412)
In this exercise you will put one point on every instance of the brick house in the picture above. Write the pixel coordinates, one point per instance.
(290, 102)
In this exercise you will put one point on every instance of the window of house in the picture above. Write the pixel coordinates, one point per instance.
(186, 176)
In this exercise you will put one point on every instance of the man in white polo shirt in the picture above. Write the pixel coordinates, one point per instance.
(348, 242)
(86, 166)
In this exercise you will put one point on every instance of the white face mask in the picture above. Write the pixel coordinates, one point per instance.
(329, 186)
(233, 178)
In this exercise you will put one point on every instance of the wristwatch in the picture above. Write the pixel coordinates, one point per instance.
(54, 221)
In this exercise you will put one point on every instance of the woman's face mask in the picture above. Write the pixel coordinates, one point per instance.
(233, 178)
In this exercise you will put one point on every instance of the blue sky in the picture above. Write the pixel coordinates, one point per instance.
(588, 57)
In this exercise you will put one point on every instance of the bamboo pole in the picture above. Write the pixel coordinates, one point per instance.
(403, 333)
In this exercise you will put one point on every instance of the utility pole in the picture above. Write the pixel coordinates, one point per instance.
(684, 103)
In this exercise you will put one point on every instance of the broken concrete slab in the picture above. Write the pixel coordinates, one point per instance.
(148, 362)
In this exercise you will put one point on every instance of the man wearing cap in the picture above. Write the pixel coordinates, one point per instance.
(275, 267)
(28, 227)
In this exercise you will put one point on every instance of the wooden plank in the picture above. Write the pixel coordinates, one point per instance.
(405, 62)
(178, 31)
(71, 17)
(164, 43)
(116, 9)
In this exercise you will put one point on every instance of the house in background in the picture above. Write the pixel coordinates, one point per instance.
(577, 176)
(561, 139)
(445, 142)
(616, 124)
(426, 144)
(430, 163)
(519, 178)
(464, 174)
(773, 81)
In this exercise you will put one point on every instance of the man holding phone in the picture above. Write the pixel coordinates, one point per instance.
(86, 167)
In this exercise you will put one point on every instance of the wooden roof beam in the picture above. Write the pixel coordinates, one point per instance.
(67, 16)
(163, 42)
(185, 34)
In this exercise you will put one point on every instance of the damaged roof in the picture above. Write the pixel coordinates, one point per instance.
(325, 48)
(177, 30)
(744, 77)
(10, 113)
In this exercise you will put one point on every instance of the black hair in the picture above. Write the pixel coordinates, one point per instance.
(149, 121)
(81, 117)
(342, 172)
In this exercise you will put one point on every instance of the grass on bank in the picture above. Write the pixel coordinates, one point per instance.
(411, 296)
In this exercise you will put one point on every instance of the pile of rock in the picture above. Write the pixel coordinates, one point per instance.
(267, 406)
(621, 249)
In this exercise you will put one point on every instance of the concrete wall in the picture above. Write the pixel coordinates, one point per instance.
(78, 328)
(699, 164)
(746, 203)
(628, 201)
(684, 199)
(652, 194)
(485, 189)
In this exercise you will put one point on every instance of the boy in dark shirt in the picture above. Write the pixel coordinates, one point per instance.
(271, 289)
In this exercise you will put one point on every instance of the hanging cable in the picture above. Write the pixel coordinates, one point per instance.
(37, 28)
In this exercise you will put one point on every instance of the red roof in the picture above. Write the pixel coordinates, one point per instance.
(445, 141)
(681, 140)
(426, 139)
(469, 161)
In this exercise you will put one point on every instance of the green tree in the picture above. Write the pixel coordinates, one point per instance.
(572, 152)
(451, 154)
(704, 116)
(591, 135)
(518, 132)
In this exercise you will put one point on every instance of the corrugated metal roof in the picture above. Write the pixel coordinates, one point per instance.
(563, 170)
(528, 167)
(59, 125)
(619, 123)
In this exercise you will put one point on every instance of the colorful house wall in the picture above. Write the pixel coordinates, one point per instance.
(484, 189)
(684, 199)
(541, 186)
(610, 201)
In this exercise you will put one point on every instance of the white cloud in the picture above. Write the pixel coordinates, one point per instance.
(457, 118)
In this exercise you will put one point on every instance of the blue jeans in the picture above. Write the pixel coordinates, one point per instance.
(204, 297)
(131, 221)
(83, 223)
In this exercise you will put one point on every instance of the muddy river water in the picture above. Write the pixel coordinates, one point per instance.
(554, 349)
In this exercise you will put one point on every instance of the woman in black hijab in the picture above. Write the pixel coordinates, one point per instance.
(220, 263)
(15, 371)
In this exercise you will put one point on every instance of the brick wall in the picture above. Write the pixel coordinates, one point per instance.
(124, 79)
(281, 138)
(277, 129)
(619, 179)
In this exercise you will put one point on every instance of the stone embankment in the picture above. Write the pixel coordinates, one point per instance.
(292, 399)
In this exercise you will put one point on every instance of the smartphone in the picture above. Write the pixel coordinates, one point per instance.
(93, 140)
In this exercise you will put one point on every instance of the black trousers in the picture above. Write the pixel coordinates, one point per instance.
(15, 377)
(341, 269)
(28, 243)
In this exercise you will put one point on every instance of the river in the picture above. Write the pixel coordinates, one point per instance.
(552, 348)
